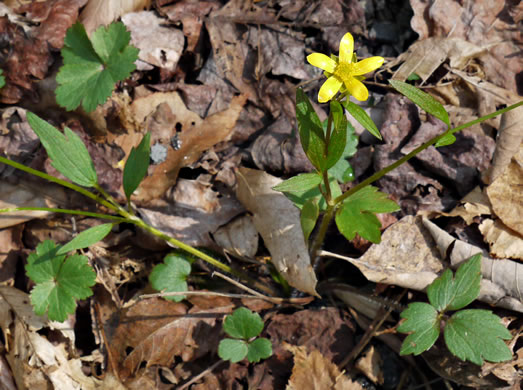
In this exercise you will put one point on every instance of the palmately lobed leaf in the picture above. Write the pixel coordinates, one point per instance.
(259, 349)
(477, 335)
(233, 350)
(171, 276)
(243, 324)
(93, 67)
(422, 322)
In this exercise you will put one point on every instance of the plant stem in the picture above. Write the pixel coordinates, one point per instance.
(56, 180)
(66, 211)
(322, 232)
(325, 174)
(384, 171)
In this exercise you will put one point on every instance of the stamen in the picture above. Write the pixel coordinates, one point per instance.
(343, 71)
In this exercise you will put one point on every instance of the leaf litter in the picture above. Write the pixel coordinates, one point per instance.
(224, 86)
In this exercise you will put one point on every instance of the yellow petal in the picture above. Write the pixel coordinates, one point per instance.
(322, 61)
(329, 89)
(346, 48)
(357, 89)
(367, 65)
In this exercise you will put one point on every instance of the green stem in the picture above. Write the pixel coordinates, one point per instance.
(384, 171)
(322, 232)
(65, 211)
(56, 180)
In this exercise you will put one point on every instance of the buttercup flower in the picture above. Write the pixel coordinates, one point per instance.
(345, 72)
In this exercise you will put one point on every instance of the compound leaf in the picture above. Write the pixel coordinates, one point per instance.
(86, 238)
(171, 276)
(243, 324)
(357, 214)
(475, 335)
(422, 99)
(60, 281)
(363, 118)
(92, 67)
(233, 350)
(67, 152)
(259, 349)
(136, 165)
(422, 323)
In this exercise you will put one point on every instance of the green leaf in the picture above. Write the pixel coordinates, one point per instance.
(413, 77)
(92, 67)
(447, 139)
(338, 137)
(299, 198)
(447, 293)
(233, 350)
(308, 217)
(67, 152)
(422, 322)
(311, 132)
(86, 238)
(422, 99)
(171, 275)
(136, 166)
(2, 79)
(300, 183)
(60, 281)
(259, 349)
(475, 335)
(342, 170)
(243, 324)
(357, 214)
(363, 118)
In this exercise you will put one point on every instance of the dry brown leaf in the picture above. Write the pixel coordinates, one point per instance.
(102, 12)
(503, 241)
(278, 222)
(312, 371)
(196, 136)
(159, 46)
(506, 196)
(370, 365)
(239, 237)
(508, 143)
(11, 246)
(502, 278)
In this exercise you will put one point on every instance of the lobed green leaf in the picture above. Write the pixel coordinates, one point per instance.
(243, 324)
(422, 322)
(422, 99)
(233, 350)
(67, 152)
(171, 275)
(477, 335)
(136, 166)
(259, 349)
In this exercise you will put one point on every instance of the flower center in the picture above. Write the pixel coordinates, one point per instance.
(343, 71)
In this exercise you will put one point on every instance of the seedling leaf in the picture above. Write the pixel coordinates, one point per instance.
(171, 275)
(447, 139)
(243, 324)
(448, 293)
(86, 238)
(357, 214)
(233, 350)
(475, 335)
(259, 349)
(301, 182)
(363, 118)
(67, 152)
(93, 67)
(422, 323)
(136, 166)
(60, 281)
(311, 131)
(422, 99)
(338, 138)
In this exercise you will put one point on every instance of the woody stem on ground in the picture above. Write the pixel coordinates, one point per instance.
(329, 214)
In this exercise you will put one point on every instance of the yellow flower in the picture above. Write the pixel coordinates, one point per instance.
(344, 71)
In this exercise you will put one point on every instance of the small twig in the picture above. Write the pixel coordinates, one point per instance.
(200, 375)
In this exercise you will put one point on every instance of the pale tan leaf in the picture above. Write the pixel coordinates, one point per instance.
(503, 241)
(278, 222)
(312, 371)
(506, 194)
(370, 365)
(238, 237)
(102, 12)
